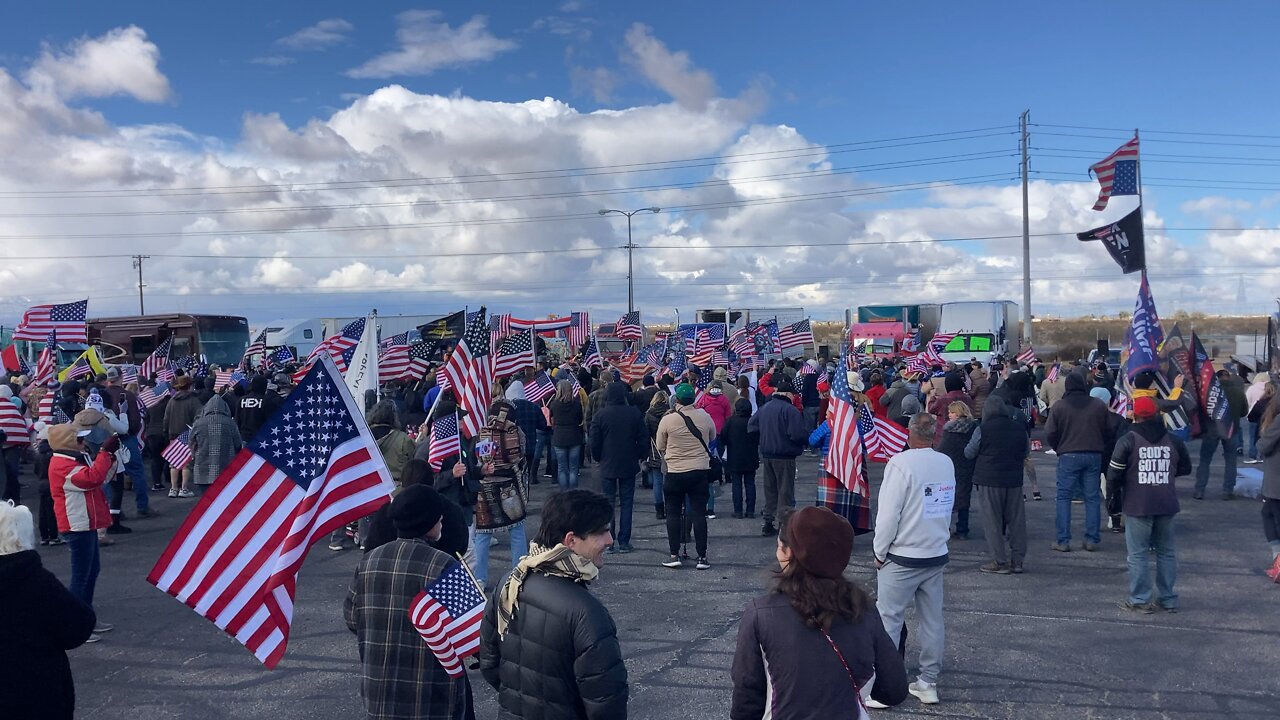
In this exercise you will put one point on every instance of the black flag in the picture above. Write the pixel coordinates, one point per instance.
(449, 327)
(1123, 240)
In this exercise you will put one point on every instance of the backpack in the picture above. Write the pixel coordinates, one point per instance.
(508, 446)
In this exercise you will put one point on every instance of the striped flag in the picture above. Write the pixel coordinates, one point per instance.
(469, 372)
(579, 330)
(221, 379)
(1051, 376)
(151, 396)
(1027, 355)
(591, 354)
(1117, 174)
(516, 354)
(47, 363)
(797, 334)
(540, 388)
(845, 461)
(628, 326)
(16, 429)
(283, 356)
(235, 560)
(44, 411)
(80, 369)
(337, 345)
(444, 440)
(257, 347)
(447, 613)
(1120, 404)
(166, 374)
(178, 452)
(394, 362)
(67, 320)
(892, 439)
(420, 359)
(128, 374)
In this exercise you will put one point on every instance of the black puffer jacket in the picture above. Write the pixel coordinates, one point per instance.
(741, 444)
(619, 439)
(560, 657)
(566, 420)
(999, 446)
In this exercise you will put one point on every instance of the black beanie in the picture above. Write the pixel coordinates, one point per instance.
(416, 510)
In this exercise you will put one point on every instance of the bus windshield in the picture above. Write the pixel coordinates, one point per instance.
(222, 339)
(971, 343)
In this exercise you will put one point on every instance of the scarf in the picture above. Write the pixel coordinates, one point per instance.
(558, 561)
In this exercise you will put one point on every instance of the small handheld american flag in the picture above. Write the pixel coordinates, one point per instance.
(178, 452)
(447, 613)
(444, 440)
(540, 388)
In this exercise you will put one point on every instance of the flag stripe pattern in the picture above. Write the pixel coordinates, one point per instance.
(47, 363)
(447, 613)
(16, 429)
(158, 359)
(578, 331)
(1117, 174)
(178, 452)
(67, 320)
(797, 334)
(628, 326)
(516, 354)
(540, 388)
(469, 372)
(1027, 355)
(312, 468)
(845, 461)
(444, 440)
(394, 361)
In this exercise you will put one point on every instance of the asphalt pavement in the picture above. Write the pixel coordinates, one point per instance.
(1050, 643)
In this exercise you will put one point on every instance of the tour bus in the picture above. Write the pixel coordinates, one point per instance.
(221, 339)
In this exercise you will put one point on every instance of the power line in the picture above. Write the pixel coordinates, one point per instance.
(1145, 131)
(651, 166)
(1164, 140)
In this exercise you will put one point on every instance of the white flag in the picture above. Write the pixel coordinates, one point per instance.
(362, 371)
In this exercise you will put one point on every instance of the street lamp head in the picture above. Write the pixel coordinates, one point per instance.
(605, 212)
(654, 209)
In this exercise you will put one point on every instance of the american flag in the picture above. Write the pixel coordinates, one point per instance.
(337, 346)
(312, 468)
(420, 359)
(937, 344)
(677, 365)
(807, 369)
(394, 361)
(1120, 404)
(630, 369)
(705, 376)
(67, 320)
(47, 363)
(80, 369)
(447, 613)
(516, 354)
(579, 331)
(257, 347)
(544, 325)
(845, 461)
(1027, 355)
(151, 396)
(178, 452)
(44, 411)
(128, 374)
(158, 359)
(166, 374)
(883, 438)
(221, 379)
(705, 343)
(1118, 174)
(283, 356)
(652, 354)
(14, 424)
(911, 343)
(540, 388)
(591, 354)
(469, 372)
(797, 334)
(720, 358)
(444, 440)
(919, 363)
(628, 326)
(500, 325)
(825, 377)
(741, 341)
(1052, 375)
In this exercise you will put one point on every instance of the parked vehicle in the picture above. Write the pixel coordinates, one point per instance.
(221, 339)
(983, 330)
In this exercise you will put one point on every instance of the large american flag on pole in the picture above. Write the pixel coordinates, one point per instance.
(628, 326)
(469, 372)
(1117, 174)
(797, 334)
(66, 319)
(336, 345)
(447, 613)
(845, 461)
(47, 363)
(578, 331)
(312, 468)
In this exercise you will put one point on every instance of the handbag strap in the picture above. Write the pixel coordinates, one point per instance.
(857, 691)
(694, 430)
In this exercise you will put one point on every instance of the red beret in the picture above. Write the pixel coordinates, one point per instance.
(821, 541)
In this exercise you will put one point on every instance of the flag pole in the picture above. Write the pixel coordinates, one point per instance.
(1023, 120)
(1137, 170)
(470, 574)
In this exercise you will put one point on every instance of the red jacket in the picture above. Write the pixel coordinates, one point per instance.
(78, 500)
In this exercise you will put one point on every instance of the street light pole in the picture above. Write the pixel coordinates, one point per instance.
(631, 294)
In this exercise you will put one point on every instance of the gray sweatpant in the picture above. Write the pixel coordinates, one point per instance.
(779, 485)
(1004, 522)
(897, 587)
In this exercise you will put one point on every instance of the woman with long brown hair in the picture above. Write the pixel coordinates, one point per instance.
(806, 649)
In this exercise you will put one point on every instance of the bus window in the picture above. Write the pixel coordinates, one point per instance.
(140, 346)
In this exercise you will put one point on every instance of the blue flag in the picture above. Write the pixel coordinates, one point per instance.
(1145, 336)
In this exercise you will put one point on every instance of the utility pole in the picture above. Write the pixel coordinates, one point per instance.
(1023, 120)
(137, 263)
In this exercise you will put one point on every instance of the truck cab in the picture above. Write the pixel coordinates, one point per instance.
(983, 330)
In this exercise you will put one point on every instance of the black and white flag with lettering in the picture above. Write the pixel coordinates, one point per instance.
(1123, 240)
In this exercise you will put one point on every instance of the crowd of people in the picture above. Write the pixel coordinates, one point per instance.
(808, 648)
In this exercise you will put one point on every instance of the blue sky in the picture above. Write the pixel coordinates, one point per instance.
(837, 73)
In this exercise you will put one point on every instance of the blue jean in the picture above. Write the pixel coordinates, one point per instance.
(543, 442)
(136, 472)
(1155, 533)
(624, 490)
(84, 564)
(1079, 472)
(1248, 438)
(743, 484)
(655, 479)
(567, 466)
(519, 548)
(1208, 444)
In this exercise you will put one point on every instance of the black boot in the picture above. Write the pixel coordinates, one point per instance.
(116, 528)
(662, 512)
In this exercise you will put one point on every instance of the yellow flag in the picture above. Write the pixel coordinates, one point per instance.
(89, 356)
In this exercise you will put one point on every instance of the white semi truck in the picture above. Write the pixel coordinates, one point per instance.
(983, 330)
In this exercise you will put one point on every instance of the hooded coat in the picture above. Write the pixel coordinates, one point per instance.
(43, 620)
(717, 406)
(999, 446)
(181, 412)
(1079, 423)
(254, 407)
(619, 439)
(215, 440)
(742, 444)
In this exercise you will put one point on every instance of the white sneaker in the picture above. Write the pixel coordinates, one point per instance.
(101, 627)
(926, 692)
(872, 704)
(93, 639)
(186, 494)
(1050, 451)
(173, 492)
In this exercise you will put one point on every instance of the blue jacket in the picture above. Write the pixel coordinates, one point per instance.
(821, 437)
(781, 428)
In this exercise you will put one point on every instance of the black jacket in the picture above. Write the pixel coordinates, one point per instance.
(781, 428)
(560, 657)
(42, 621)
(566, 418)
(742, 444)
(809, 391)
(1002, 445)
(252, 410)
(619, 439)
(642, 397)
(1146, 491)
(955, 436)
(1080, 423)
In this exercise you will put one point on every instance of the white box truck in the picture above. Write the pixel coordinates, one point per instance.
(983, 330)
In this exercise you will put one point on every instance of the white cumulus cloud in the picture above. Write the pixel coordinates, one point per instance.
(121, 62)
(427, 44)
